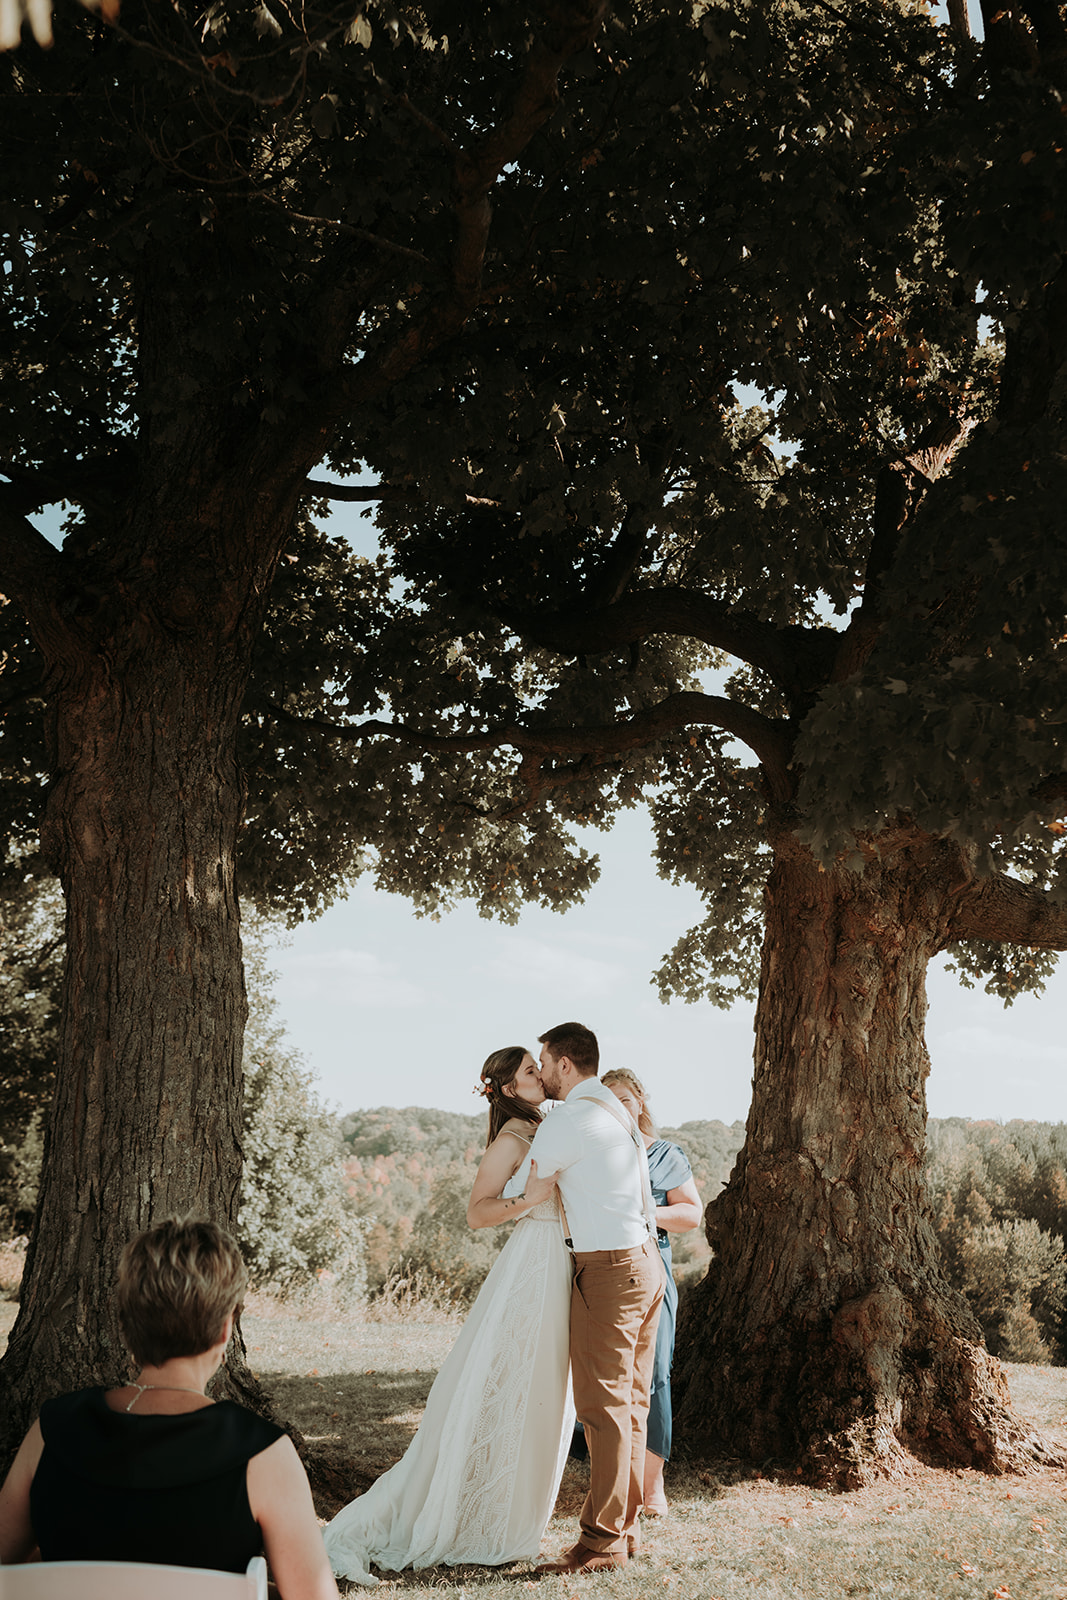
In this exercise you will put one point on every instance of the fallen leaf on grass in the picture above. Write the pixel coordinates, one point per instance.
(965, 1566)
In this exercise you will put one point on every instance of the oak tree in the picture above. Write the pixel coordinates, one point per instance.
(228, 229)
(752, 506)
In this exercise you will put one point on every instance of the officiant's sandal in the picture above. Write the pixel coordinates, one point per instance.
(580, 1558)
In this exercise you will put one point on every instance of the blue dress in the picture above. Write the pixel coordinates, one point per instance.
(668, 1168)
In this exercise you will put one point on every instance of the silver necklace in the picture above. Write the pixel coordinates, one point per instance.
(178, 1387)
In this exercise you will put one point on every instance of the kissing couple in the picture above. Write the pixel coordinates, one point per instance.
(578, 1285)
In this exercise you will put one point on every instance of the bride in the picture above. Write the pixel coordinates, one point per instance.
(480, 1477)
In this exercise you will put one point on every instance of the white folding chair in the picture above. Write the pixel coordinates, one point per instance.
(130, 1580)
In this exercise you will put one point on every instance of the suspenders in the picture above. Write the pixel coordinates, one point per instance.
(624, 1119)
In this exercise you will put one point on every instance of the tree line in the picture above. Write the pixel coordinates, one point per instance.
(378, 1198)
(410, 1172)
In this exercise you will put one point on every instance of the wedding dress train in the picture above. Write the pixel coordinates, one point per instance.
(480, 1477)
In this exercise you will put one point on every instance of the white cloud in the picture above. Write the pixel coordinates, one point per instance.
(544, 966)
(1002, 1044)
(348, 978)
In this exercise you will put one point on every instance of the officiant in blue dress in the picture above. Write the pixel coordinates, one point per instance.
(678, 1210)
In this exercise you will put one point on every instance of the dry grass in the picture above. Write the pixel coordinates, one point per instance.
(415, 1299)
(357, 1389)
(12, 1261)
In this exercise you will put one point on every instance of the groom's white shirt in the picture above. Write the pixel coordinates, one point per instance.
(596, 1159)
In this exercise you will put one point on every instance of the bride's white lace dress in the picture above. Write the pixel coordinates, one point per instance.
(480, 1477)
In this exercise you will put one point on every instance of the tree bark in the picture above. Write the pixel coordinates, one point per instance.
(825, 1335)
(141, 827)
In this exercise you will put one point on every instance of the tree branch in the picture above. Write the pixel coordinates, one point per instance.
(319, 487)
(629, 544)
(79, 479)
(570, 27)
(793, 657)
(770, 741)
(900, 490)
(1008, 45)
(958, 19)
(1009, 912)
(1047, 18)
(347, 230)
(32, 568)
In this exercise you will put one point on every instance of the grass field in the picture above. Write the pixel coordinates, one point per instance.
(356, 1390)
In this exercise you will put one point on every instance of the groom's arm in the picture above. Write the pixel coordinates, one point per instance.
(556, 1144)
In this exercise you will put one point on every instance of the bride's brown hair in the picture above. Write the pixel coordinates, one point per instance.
(498, 1074)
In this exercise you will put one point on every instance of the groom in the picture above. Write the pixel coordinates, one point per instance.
(618, 1285)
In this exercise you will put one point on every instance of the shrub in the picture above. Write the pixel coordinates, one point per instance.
(1015, 1277)
(296, 1221)
(443, 1247)
(297, 1225)
(20, 1173)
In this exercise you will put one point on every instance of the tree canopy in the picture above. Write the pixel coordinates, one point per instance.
(852, 219)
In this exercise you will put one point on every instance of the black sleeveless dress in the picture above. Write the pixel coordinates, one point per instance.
(115, 1486)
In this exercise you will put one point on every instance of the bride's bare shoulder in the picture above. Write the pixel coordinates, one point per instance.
(521, 1130)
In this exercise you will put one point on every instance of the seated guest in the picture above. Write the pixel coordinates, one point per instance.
(154, 1470)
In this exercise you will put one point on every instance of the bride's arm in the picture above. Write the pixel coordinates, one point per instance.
(486, 1208)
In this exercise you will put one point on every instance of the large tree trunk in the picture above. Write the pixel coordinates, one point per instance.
(141, 826)
(825, 1335)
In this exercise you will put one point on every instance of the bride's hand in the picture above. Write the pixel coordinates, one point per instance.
(538, 1189)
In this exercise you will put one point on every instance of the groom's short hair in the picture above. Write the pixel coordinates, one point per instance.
(577, 1042)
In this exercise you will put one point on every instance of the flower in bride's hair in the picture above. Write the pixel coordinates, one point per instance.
(483, 1088)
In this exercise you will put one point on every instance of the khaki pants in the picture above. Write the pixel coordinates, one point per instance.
(614, 1310)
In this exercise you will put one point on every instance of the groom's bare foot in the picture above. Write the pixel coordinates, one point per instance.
(580, 1558)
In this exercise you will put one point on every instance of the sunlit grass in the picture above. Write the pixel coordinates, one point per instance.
(358, 1389)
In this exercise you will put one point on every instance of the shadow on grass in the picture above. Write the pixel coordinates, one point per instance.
(355, 1426)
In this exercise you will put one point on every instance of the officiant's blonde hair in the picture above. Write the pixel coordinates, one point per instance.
(631, 1081)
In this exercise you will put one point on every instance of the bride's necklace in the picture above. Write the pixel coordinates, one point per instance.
(180, 1388)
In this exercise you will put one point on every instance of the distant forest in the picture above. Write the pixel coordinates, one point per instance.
(998, 1194)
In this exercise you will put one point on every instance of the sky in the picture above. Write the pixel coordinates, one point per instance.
(392, 1010)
